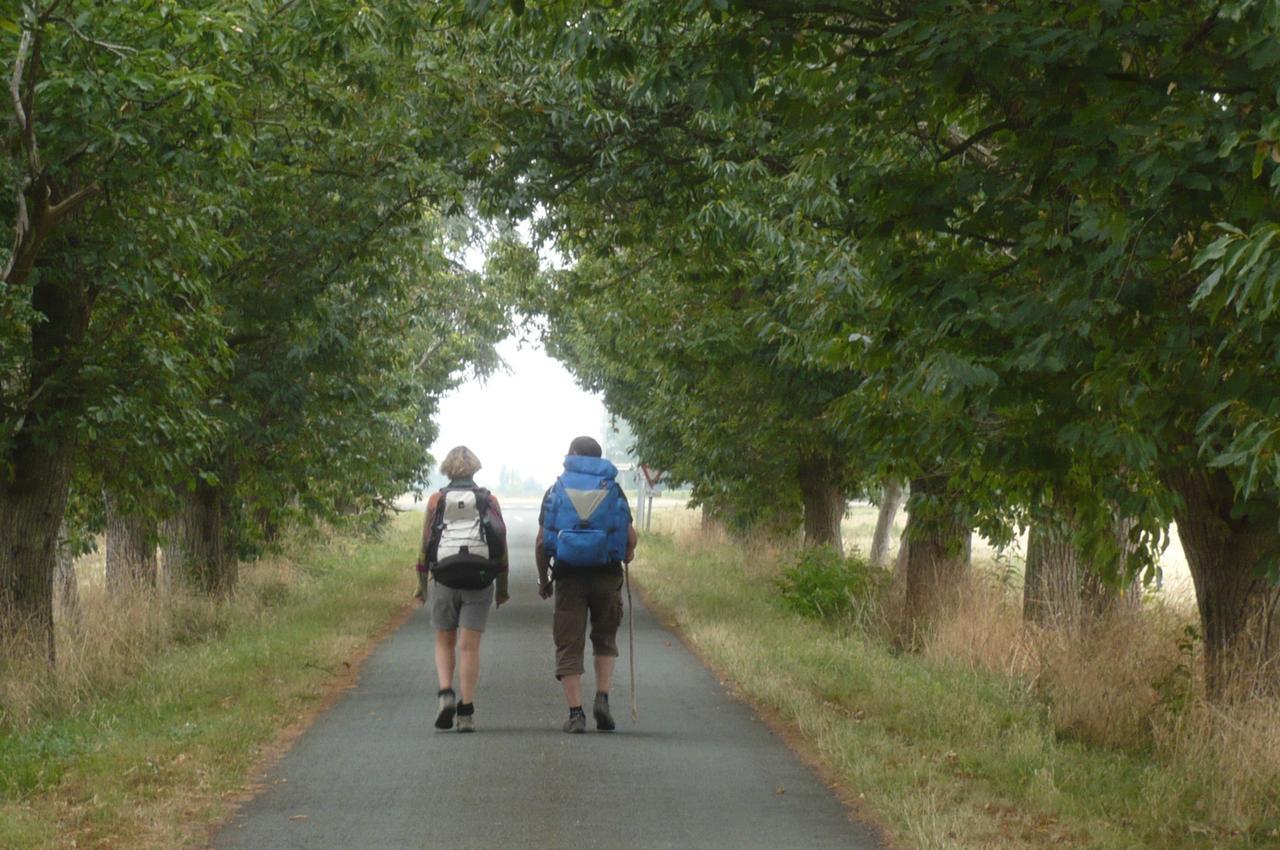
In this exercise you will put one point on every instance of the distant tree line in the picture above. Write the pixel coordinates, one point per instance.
(512, 483)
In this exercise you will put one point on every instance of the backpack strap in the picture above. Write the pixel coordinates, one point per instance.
(437, 525)
(492, 526)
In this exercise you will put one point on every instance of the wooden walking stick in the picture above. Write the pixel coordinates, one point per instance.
(631, 637)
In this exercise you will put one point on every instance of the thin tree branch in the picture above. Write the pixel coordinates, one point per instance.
(70, 204)
(1204, 29)
(284, 7)
(118, 49)
(15, 81)
(22, 222)
(985, 133)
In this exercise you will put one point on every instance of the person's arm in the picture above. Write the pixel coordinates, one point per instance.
(422, 567)
(631, 544)
(631, 527)
(540, 556)
(499, 525)
(543, 562)
(501, 593)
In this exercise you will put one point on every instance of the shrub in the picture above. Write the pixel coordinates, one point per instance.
(817, 582)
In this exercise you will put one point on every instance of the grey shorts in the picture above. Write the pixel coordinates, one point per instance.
(451, 608)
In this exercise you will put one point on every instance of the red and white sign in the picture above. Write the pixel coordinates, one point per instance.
(652, 476)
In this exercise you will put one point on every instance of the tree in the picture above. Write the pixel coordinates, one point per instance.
(987, 217)
(215, 205)
(890, 502)
(101, 93)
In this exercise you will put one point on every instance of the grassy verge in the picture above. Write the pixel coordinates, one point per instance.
(949, 753)
(157, 714)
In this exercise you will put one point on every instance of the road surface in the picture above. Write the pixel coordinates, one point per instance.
(696, 771)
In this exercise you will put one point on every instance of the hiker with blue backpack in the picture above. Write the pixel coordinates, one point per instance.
(464, 555)
(585, 540)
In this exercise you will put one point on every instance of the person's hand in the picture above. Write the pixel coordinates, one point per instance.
(544, 590)
(420, 595)
(501, 599)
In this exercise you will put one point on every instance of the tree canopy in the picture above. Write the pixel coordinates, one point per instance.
(232, 294)
(1015, 253)
(1020, 255)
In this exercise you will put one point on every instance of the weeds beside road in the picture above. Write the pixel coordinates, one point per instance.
(993, 735)
(160, 706)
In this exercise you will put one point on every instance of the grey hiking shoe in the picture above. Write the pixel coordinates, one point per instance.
(446, 705)
(576, 724)
(604, 717)
(466, 723)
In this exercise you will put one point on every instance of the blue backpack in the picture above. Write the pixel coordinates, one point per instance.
(585, 515)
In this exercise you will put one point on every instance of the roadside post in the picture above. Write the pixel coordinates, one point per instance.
(652, 484)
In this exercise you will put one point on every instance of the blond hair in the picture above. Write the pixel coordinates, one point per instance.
(460, 462)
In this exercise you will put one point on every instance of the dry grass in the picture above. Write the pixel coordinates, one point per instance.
(1106, 685)
(1129, 687)
(1130, 683)
(985, 633)
(1231, 755)
(108, 638)
(160, 702)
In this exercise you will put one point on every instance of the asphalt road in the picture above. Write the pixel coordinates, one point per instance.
(696, 771)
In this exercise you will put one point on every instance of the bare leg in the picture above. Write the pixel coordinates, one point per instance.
(572, 689)
(445, 643)
(468, 662)
(604, 672)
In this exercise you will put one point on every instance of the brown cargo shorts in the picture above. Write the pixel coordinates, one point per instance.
(581, 598)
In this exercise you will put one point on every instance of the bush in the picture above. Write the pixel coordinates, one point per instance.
(816, 582)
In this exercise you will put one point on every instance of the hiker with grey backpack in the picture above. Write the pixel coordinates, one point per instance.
(585, 540)
(464, 555)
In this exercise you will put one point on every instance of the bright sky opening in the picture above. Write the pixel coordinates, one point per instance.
(523, 418)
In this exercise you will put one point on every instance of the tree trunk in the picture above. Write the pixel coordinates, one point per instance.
(890, 502)
(824, 503)
(268, 522)
(1060, 584)
(938, 545)
(130, 549)
(710, 521)
(196, 553)
(1228, 545)
(65, 584)
(37, 466)
(32, 503)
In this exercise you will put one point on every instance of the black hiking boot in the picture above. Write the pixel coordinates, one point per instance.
(604, 717)
(446, 705)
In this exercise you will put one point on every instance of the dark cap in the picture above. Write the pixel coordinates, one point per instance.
(586, 447)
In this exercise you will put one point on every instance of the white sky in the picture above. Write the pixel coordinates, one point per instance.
(523, 418)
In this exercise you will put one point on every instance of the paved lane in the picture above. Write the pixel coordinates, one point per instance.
(696, 771)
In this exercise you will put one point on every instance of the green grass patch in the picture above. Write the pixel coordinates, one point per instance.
(150, 758)
(945, 756)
